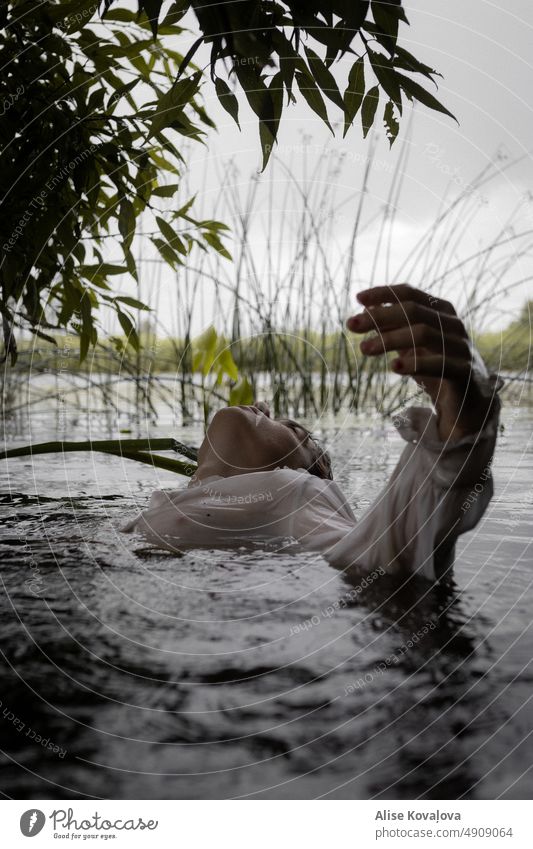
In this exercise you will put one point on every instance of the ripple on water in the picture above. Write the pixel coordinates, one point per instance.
(219, 673)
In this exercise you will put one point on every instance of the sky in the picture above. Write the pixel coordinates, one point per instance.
(482, 51)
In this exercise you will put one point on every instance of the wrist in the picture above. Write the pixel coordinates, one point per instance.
(462, 410)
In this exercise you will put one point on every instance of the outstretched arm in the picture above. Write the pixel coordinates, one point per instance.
(442, 483)
(434, 348)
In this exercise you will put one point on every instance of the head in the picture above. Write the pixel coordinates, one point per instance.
(247, 439)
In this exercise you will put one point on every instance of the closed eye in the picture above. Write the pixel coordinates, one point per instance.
(296, 428)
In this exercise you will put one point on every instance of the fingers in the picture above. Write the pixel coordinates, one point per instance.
(404, 314)
(403, 292)
(433, 365)
(426, 331)
(417, 336)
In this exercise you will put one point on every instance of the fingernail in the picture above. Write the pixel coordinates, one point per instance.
(397, 365)
(367, 346)
(353, 323)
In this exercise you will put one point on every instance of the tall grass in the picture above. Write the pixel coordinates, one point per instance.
(283, 300)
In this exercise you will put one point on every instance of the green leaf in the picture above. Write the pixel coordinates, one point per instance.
(126, 222)
(311, 93)
(255, 90)
(165, 191)
(171, 105)
(125, 16)
(166, 252)
(102, 269)
(182, 212)
(172, 237)
(387, 15)
(214, 241)
(128, 329)
(225, 364)
(204, 350)
(130, 262)
(405, 60)
(324, 78)
(227, 99)
(87, 334)
(241, 393)
(387, 77)
(85, 341)
(131, 302)
(414, 90)
(368, 109)
(72, 17)
(151, 8)
(175, 13)
(391, 124)
(121, 92)
(353, 96)
(268, 131)
(162, 163)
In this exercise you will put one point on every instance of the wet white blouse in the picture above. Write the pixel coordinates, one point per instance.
(436, 492)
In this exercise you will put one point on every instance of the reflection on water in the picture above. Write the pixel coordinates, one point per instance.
(131, 673)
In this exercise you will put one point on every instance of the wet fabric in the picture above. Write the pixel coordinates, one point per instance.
(437, 491)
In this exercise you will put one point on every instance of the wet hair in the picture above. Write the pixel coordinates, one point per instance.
(321, 463)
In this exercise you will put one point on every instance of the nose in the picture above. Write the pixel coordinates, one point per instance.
(263, 407)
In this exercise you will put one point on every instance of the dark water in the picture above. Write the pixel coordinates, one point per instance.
(130, 673)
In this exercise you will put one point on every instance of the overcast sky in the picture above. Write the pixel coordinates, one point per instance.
(482, 50)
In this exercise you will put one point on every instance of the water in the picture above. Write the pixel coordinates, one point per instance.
(133, 673)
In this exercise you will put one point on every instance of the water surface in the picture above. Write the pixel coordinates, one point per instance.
(134, 673)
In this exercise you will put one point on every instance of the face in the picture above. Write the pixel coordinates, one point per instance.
(246, 439)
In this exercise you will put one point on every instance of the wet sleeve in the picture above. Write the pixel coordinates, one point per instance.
(437, 491)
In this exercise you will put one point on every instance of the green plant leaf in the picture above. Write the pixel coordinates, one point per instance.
(227, 99)
(165, 191)
(151, 8)
(391, 124)
(353, 96)
(213, 240)
(387, 77)
(225, 363)
(130, 262)
(405, 60)
(387, 16)
(204, 350)
(102, 269)
(126, 222)
(324, 77)
(311, 93)
(183, 211)
(268, 131)
(73, 16)
(166, 252)
(121, 92)
(172, 104)
(368, 109)
(131, 302)
(171, 236)
(241, 393)
(415, 91)
(129, 329)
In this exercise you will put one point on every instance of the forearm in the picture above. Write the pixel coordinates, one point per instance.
(465, 407)
(461, 412)
(414, 522)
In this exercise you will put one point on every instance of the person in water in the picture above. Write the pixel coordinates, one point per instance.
(263, 479)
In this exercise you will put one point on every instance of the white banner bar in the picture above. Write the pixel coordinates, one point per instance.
(267, 824)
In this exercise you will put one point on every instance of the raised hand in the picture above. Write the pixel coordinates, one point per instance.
(434, 348)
